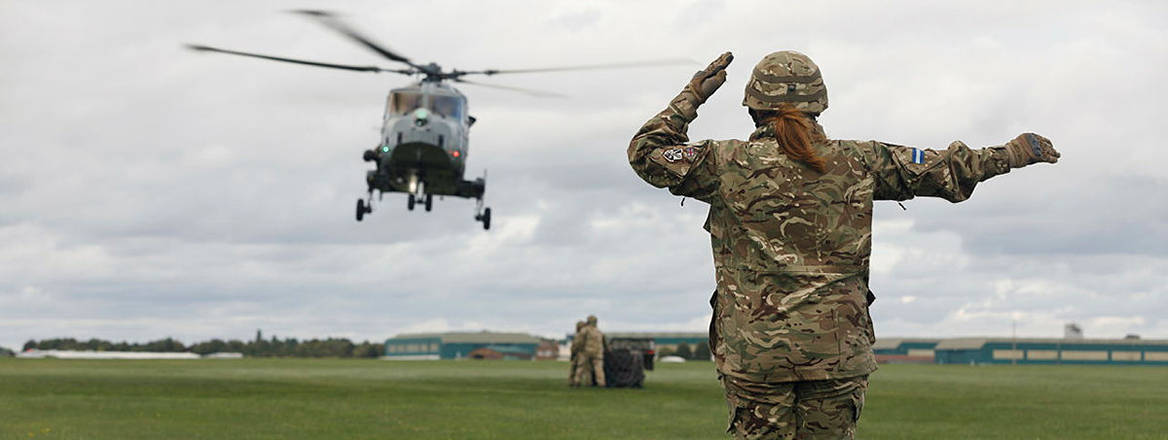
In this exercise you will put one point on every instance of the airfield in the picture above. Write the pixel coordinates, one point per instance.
(357, 399)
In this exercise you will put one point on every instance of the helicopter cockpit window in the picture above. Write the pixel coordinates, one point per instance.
(401, 103)
(448, 106)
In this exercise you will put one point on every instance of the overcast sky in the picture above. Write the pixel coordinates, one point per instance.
(148, 191)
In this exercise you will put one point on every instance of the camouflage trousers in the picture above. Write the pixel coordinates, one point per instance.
(572, 379)
(819, 409)
(589, 368)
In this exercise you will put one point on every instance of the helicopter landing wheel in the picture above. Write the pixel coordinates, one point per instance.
(410, 202)
(361, 209)
(429, 202)
(486, 219)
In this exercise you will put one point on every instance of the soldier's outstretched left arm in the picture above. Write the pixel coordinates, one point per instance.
(659, 153)
(901, 173)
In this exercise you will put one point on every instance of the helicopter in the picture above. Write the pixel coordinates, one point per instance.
(424, 142)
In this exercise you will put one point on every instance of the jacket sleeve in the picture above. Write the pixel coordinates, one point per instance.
(661, 155)
(901, 173)
(577, 341)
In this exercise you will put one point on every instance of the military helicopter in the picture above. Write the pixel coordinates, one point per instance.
(425, 128)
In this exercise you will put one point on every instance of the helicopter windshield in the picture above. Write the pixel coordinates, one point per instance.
(401, 103)
(448, 106)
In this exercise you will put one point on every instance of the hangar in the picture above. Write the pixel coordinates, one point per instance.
(1051, 351)
(661, 340)
(905, 350)
(458, 345)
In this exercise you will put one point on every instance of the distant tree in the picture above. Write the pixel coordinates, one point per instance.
(162, 345)
(208, 347)
(367, 350)
(4, 352)
(234, 346)
(664, 351)
(684, 351)
(702, 351)
(31, 344)
(272, 347)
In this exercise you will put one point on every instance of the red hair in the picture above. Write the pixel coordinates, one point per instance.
(793, 131)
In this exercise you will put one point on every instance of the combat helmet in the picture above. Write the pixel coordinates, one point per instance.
(592, 320)
(786, 77)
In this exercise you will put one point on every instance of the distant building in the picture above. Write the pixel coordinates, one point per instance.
(1051, 351)
(661, 340)
(904, 350)
(459, 345)
(86, 354)
(500, 352)
(548, 350)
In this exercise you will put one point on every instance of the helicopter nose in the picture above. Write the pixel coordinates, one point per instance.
(421, 117)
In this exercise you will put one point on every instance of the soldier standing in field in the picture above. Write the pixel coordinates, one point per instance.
(591, 366)
(790, 224)
(574, 360)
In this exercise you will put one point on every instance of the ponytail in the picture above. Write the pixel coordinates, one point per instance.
(793, 133)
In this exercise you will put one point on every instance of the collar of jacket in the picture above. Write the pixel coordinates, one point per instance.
(768, 131)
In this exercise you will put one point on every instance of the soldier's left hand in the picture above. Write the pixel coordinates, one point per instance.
(706, 81)
(1030, 148)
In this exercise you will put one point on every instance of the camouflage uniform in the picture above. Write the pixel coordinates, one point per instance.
(791, 334)
(591, 358)
(577, 343)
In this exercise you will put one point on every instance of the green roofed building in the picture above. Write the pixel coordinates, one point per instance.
(1051, 351)
(661, 340)
(904, 350)
(458, 345)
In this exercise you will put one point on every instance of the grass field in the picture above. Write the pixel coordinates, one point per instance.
(335, 399)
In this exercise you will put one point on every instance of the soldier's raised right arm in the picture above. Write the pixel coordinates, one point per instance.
(659, 152)
(901, 173)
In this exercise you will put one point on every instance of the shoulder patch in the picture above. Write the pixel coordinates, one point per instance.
(688, 153)
(672, 154)
(918, 155)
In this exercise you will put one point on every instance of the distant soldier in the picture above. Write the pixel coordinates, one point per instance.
(591, 365)
(790, 224)
(577, 344)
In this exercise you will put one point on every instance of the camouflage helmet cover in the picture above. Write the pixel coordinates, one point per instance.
(591, 319)
(786, 77)
(580, 325)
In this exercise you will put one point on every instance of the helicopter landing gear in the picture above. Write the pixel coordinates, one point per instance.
(483, 215)
(410, 202)
(364, 208)
(429, 202)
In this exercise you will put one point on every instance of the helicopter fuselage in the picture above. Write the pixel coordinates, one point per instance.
(424, 143)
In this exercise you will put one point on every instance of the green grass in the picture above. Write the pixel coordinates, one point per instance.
(333, 399)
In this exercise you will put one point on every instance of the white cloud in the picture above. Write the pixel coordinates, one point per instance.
(150, 191)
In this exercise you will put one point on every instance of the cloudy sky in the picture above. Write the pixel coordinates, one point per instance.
(148, 191)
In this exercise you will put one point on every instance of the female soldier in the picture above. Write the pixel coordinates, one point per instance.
(790, 223)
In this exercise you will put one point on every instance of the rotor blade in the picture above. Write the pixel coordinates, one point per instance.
(538, 93)
(331, 21)
(652, 63)
(373, 69)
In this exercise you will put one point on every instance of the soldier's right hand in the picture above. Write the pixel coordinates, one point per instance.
(1030, 148)
(706, 81)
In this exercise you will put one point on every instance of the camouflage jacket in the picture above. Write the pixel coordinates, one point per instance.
(591, 342)
(577, 342)
(791, 245)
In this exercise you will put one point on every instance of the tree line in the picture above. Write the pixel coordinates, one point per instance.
(699, 352)
(258, 347)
